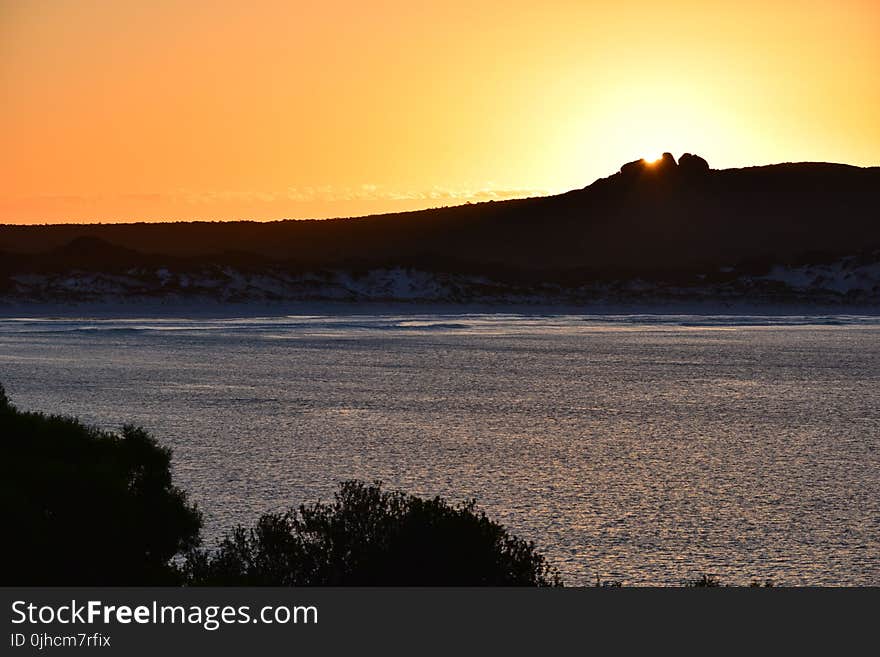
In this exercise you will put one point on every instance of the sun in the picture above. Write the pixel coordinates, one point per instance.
(652, 158)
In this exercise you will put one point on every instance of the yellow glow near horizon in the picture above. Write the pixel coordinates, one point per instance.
(116, 110)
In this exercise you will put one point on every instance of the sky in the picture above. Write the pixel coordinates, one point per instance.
(125, 110)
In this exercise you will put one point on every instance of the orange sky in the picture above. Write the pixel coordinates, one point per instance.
(124, 110)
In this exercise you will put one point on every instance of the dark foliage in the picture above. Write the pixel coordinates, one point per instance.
(713, 581)
(370, 536)
(608, 583)
(85, 506)
(704, 581)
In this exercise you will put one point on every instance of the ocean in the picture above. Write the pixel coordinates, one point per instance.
(648, 449)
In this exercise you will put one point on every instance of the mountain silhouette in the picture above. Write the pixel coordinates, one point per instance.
(646, 219)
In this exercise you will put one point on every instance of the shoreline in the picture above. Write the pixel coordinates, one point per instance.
(207, 309)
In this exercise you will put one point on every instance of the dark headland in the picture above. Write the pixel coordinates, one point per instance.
(803, 232)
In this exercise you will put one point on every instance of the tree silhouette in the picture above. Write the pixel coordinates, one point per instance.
(370, 536)
(85, 506)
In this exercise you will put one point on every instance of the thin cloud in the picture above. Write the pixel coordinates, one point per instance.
(306, 194)
(365, 192)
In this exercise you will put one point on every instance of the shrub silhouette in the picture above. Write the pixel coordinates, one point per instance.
(85, 506)
(704, 581)
(370, 536)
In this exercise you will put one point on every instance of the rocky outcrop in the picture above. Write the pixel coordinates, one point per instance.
(633, 169)
(664, 164)
(641, 167)
(692, 165)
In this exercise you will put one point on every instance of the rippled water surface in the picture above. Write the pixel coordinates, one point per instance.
(646, 449)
